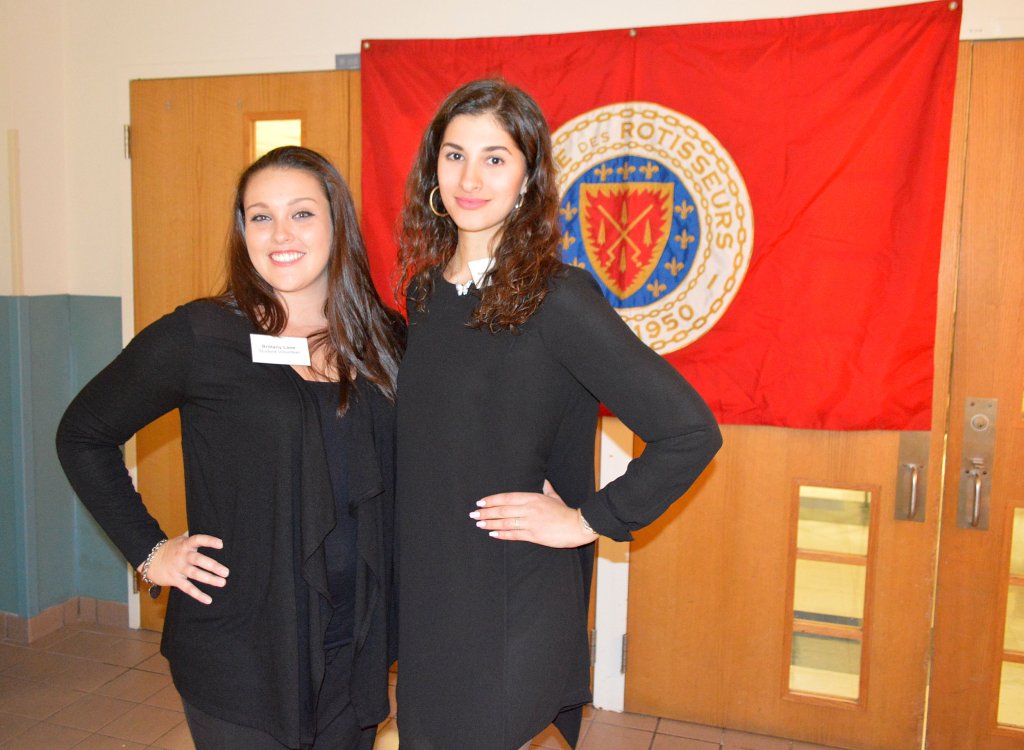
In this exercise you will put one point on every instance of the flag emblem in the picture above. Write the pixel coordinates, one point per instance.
(625, 226)
(654, 207)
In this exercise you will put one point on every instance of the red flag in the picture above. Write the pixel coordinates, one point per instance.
(761, 200)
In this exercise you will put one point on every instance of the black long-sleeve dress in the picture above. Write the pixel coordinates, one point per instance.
(493, 643)
(257, 476)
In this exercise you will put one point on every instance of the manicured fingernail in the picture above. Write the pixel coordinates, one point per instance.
(481, 503)
(493, 533)
(481, 524)
(475, 514)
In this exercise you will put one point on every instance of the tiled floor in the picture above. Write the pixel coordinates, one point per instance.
(94, 687)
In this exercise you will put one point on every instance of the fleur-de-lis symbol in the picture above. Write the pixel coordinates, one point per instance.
(568, 211)
(578, 263)
(656, 288)
(684, 209)
(625, 171)
(684, 239)
(649, 169)
(675, 267)
(603, 171)
(567, 241)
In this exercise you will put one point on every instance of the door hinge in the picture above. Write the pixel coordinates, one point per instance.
(625, 643)
(127, 141)
(593, 646)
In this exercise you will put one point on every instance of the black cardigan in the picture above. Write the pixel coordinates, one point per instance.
(253, 452)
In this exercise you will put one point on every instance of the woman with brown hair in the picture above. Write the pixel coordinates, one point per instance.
(277, 622)
(509, 354)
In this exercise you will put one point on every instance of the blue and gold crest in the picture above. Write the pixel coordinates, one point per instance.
(633, 225)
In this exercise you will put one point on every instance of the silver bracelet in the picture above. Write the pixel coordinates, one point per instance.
(154, 589)
(583, 521)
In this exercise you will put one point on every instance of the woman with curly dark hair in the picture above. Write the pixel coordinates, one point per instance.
(277, 628)
(509, 354)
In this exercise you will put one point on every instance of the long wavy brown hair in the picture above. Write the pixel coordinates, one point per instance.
(362, 337)
(526, 255)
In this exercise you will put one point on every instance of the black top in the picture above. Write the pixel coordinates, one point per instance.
(493, 634)
(254, 457)
(340, 544)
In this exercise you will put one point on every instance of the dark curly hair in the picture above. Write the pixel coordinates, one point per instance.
(364, 337)
(526, 256)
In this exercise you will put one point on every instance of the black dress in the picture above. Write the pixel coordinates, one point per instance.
(493, 643)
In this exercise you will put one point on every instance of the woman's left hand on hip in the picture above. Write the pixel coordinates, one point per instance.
(541, 518)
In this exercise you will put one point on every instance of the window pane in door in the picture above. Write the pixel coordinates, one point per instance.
(1011, 695)
(269, 134)
(1017, 546)
(1011, 683)
(825, 665)
(1013, 636)
(829, 592)
(833, 519)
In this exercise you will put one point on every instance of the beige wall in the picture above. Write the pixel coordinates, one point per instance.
(65, 67)
(33, 110)
(6, 121)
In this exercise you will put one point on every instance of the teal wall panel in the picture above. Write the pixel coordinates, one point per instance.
(95, 341)
(12, 527)
(50, 548)
(50, 512)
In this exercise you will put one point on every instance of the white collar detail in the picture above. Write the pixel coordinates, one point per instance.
(477, 270)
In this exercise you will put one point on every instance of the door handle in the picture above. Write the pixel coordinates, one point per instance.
(976, 463)
(911, 473)
(915, 470)
(976, 508)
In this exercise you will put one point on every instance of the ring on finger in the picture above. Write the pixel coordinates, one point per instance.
(515, 523)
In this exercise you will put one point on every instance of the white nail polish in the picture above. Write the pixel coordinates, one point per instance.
(475, 514)
(481, 524)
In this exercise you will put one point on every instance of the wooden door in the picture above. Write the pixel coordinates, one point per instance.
(715, 611)
(977, 696)
(191, 138)
(731, 612)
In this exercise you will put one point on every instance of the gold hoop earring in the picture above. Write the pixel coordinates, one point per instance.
(430, 202)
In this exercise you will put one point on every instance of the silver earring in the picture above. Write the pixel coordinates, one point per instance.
(430, 202)
(519, 202)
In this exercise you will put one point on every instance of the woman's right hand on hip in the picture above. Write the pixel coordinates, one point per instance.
(178, 562)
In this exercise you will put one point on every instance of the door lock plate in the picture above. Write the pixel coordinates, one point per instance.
(976, 463)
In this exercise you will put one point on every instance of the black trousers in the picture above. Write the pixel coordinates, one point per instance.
(336, 725)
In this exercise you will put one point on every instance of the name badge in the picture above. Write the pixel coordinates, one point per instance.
(279, 350)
